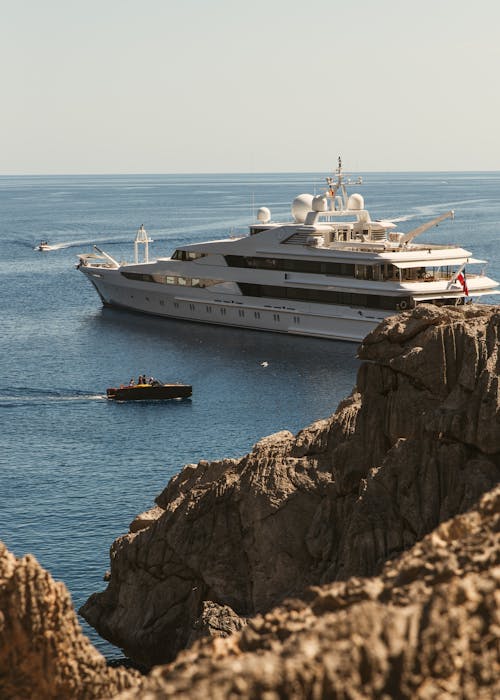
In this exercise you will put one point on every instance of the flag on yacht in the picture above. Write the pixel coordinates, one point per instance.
(463, 281)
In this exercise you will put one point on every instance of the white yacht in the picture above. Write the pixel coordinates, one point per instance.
(331, 272)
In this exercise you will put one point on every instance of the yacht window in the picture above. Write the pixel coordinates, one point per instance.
(140, 276)
(391, 272)
(187, 255)
(364, 272)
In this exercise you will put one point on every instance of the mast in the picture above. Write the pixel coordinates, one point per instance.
(335, 186)
(142, 238)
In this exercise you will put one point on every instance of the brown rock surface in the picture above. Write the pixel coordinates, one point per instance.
(428, 627)
(43, 652)
(417, 442)
(215, 621)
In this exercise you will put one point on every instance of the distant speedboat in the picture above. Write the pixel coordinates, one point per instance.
(43, 246)
(331, 272)
(149, 392)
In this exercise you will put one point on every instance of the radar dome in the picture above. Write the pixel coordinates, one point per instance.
(301, 206)
(264, 215)
(320, 203)
(356, 201)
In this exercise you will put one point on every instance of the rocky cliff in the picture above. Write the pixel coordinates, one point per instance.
(417, 442)
(43, 652)
(427, 628)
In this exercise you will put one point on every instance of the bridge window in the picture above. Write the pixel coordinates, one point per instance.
(187, 255)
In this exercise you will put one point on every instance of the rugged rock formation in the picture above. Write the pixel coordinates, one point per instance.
(43, 652)
(215, 621)
(417, 442)
(428, 627)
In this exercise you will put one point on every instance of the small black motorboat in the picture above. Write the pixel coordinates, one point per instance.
(149, 392)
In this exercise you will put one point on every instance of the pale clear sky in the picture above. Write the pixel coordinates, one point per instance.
(163, 86)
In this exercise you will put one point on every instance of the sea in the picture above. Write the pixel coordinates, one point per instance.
(75, 468)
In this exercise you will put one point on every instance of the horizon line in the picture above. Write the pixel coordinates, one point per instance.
(233, 172)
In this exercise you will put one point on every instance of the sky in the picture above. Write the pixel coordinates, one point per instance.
(188, 86)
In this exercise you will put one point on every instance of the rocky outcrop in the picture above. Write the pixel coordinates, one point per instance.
(417, 442)
(43, 652)
(215, 621)
(427, 627)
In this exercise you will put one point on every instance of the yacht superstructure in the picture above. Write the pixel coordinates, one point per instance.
(332, 272)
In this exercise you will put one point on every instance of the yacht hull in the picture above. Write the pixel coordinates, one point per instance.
(314, 320)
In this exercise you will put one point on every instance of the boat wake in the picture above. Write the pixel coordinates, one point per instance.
(19, 396)
(433, 209)
(405, 217)
(64, 244)
(425, 210)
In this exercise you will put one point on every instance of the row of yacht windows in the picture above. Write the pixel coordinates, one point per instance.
(285, 265)
(380, 273)
(170, 279)
(222, 311)
(372, 301)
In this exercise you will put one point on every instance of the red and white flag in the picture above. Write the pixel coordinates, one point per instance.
(463, 281)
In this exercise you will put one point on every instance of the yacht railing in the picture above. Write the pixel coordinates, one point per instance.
(428, 276)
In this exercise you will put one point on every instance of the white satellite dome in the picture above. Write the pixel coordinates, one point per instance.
(356, 201)
(264, 215)
(301, 206)
(320, 203)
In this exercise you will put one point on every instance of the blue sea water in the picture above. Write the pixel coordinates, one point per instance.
(74, 468)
